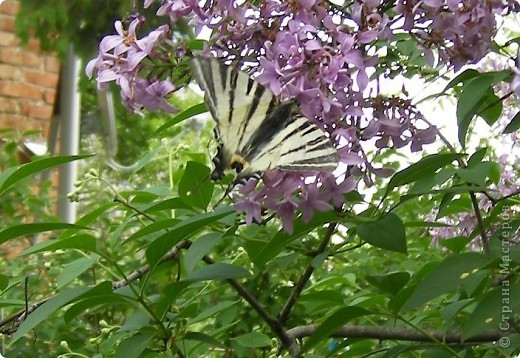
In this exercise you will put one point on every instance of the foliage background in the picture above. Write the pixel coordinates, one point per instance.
(103, 287)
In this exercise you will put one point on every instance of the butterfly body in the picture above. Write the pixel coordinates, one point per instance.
(256, 131)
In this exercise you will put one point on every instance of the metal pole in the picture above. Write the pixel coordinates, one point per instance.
(69, 133)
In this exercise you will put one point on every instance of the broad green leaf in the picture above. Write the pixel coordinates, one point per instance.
(14, 231)
(445, 277)
(168, 204)
(282, 238)
(386, 233)
(464, 76)
(94, 300)
(74, 269)
(494, 310)
(477, 157)
(333, 322)
(153, 227)
(473, 94)
(11, 302)
(188, 113)
(513, 125)
(175, 289)
(133, 346)
(477, 174)
(183, 230)
(427, 166)
(217, 271)
(48, 308)
(389, 282)
(199, 248)
(204, 338)
(490, 108)
(4, 282)
(13, 175)
(253, 340)
(195, 186)
(211, 311)
(455, 244)
(84, 242)
(93, 215)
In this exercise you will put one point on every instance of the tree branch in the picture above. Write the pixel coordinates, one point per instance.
(276, 326)
(306, 275)
(389, 333)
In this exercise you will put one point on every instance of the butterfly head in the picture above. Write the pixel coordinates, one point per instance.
(224, 161)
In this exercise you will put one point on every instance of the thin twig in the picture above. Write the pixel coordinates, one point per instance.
(275, 325)
(392, 333)
(306, 275)
(480, 222)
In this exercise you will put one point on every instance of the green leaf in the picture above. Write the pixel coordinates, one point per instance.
(253, 340)
(337, 319)
(211, 311)
(94, 300)
(514, 125)
(494, 310)
(4, 282)
(390, 282)
(490, 108)
(14, 231)
(474, 92)
(182, 230)
(445, 277)
(13, 175)
(133, 346)
(461, 78)
(386, 233)
(84, 242)
(282, 238)
(48, 308)
(477, 157)
(188, 113)
(168, 204)
(74, 269)
(217, 271)
(204, 338)
(477, 174)
(153, 227)
(195, 186)
(427, 166)
(199, 248)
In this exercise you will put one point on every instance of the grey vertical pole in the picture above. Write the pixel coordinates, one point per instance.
(69, 133)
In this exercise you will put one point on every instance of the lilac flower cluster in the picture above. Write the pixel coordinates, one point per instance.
(317, 53)
(460, 30)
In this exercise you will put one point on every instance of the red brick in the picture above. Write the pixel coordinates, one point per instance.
(10, 55)
(48, 80)
(9, 7)
(52, 64)
(32, 59)
(18, 90)
(8, 39)
(18, 122)
(49, 96)
(10, 72)
(36, 111)
(9, 105)
(7, 23)
(33, 45)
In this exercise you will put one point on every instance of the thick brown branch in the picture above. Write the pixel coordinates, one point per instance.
(306, 275)
(389, 333)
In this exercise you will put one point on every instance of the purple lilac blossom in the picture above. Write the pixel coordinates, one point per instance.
(317, 54)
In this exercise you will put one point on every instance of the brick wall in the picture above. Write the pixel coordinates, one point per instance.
(28, 78)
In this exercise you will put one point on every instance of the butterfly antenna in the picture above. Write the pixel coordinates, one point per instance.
(228, 191)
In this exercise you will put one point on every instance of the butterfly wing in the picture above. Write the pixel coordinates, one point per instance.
(257, 132)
